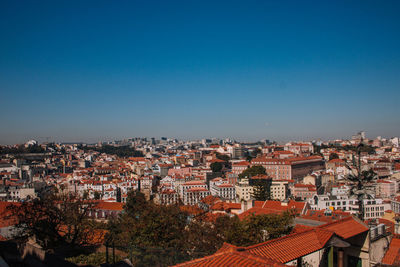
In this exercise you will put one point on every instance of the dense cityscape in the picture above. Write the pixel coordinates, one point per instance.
(148, 201)
(199, 133)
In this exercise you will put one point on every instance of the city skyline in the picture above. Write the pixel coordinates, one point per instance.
(97, 71)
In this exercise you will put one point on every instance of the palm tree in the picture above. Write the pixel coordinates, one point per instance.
(361, 187)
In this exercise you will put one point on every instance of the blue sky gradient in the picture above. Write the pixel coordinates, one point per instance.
(105, 70)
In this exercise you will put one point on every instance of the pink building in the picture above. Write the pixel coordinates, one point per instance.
(303, 191)
(291, 168)
(385, 188)
(180, 171)
(239, 167)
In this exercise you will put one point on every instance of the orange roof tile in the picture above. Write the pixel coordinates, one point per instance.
(241, 163)
(226, 206)
(292, 246)
(231, 258)
(210, 200)
(347, 227)
(272, 207)
(392, 256)
(102, 205)
(6, 216)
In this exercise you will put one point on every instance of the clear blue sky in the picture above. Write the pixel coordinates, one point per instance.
(104, 70)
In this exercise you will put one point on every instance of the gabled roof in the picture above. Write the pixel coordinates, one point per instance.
(292, 246)
(347, 227)
(102, 205)
(273, 207)
(232, 258)
(226, 206)
(210, 200)
(392, 256)
(241, 163)
(286, 248)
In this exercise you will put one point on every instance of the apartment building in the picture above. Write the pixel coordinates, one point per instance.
(291, 168)
(243, 190)
(279, 189)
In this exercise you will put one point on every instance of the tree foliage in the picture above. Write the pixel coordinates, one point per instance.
(261, 190)
(166, 235)
(96, 195)
(21, 149)
(93, 259)
(333, 156)
(253, 171)
(56, 221)
(223, 157)
(253, 229)
(365, 148)
(120, 151)
(216, 166)
(361, 187)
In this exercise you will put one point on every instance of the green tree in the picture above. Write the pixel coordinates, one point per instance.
(85, 194)
(216, 166)
(223, 157)
(361, 187)
(120, 151)
(56, 221)
(333, 156)
(253, 229)
(155, 233)
(165, 235)
(96, 195)
(136, 203)
(261, 190)
(253, 171)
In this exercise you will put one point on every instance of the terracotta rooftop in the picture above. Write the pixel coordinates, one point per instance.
(346, 228)
(210, 200)
(302, 242)
(272, 207)
(392, 256)
(226, 206)
(6, 218)
(292, 246)
(319, 215)
(232, 258)
(241, 163)
(102, 205)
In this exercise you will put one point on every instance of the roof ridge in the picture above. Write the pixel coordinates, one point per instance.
(335, 222)
(285, 237)
(255, 257)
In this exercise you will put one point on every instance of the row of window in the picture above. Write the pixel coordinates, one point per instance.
(374, 214)
(374, 209)
(338, 203)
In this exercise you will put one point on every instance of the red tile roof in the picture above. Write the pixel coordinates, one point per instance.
(197, 189)
(210, 200)
(292, 246)
(273, 207)
(6, 218)
(346, 228)
(227, 247)
(226, 206)
(232, 258)
(336, 161)
(286, 248)
(102, 205)
(299, 228)
(319, 215)
(392, 256)
(241, 163)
